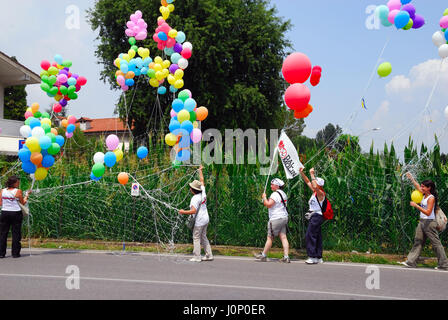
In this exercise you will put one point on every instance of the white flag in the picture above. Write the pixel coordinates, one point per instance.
(289, 156)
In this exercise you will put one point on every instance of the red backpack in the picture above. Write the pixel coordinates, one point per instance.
(327, 211)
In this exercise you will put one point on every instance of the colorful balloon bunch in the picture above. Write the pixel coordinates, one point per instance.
(297, 69)
(137, 26)
(42, 143)
(109, 159)
(400, 13)
(166, 8)
(59, 83)
(184, 126)
(440, 38)
(69, 125)
(130, 67)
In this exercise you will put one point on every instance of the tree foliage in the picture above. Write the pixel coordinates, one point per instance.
(15, 102)
(235, 70)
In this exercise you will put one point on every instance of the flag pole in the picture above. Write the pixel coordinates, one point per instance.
(270, 169)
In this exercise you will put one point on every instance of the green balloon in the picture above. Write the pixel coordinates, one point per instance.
(71, 89)
(409, 25)
(27, 121)
(37, 114)
(67, 64)
(132, 41)
(384, 69)
(47, 128)
(444, 29)
(45, 78)
(44, 73)
(64, 90)
(45, 115)
(98, 170)
(73, 96)
(445, 13)
(183, 95)
(51, 136)
(54, 91)
(52, 80)
(151, 73)
(135, 48)
(45, 87)
(53, 71)
(54, 149)
(193, 116)
(176, 164)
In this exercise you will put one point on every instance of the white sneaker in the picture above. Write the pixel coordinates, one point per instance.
(207, 258)
(195, 259)
(311, 261)
(405, 264)
(320, 260)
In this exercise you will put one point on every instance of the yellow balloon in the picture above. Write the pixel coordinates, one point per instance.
(171, 7)
(158, 67)
(40, 174)
(158, 60)
(417, 196)
(46, 121)
(126, 57)
(58, 97)
(165, 73)
(159, 75)
(179, 84)
(33, 144)
(172, 33)
(183, 115)
(154, 83)
(131, 53)
(166, 64)
(35, 107)
(195, 125)
(29, 110)
(170, 139)
(118, 154)
(179, 74)
(171, 79)
(117, 62)
(166, 14)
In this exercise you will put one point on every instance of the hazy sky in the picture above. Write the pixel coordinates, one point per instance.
(334, 35)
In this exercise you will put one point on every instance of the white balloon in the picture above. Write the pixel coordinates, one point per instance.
(98, 157)
(25, 131)
(438, 38)
(187, 45)
(38, 132)
(446, 112)
(443, 51)
(182, 63)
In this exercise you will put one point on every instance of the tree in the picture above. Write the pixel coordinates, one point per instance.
(235, 70)
(329, 134)
(15, 102)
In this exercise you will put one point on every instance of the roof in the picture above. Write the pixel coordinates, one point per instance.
(105, 125)
(12, 73)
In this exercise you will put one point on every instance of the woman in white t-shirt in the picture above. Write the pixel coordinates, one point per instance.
(278, 220)
(11, 216)
(198, 207)
(427, 227)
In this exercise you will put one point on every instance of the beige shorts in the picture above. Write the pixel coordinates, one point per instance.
(275, 227)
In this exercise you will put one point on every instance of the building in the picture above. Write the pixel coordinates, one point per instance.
(12, 73)
(104, 127)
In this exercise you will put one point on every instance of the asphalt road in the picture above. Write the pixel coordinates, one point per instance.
(135, 276)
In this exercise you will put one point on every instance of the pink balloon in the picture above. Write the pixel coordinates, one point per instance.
(72, 120)
(173, 113)
(125, 88)
(28, 114)
(160, 22)
(392, 16)
(130, 24)
(69, 135)
(297, 96)
(141, 23)
(141, 36)
(196, 135)
(160, 46)
(189, 92)
(138, 14)
(296, 68)
(444, 22)
(394, 5)
(165, 27)
(112, 142)
(129, 33)
(62, 78)
(121, 80)
(134, 18)
(170, 42)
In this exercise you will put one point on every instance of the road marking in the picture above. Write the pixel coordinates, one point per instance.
(208, 285)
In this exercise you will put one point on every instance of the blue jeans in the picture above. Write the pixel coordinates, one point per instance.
(314, 236)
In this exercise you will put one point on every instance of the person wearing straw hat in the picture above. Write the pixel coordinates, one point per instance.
(315, 217)
(278, 220)
(198, 207)
(11, 216)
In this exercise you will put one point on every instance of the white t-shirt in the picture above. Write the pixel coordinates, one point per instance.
(202, 217)
(314, 204)
(424, 205)
(9, 200)
(278, 210)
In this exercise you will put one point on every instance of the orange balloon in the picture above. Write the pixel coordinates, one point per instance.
(300, 114)
(35, 107)
(64, 123)
(151, 65)
(54, 131)
(119, 73)
(123, 178)
(36, 158)
(164, 3)
(130, 75)
(201, 113)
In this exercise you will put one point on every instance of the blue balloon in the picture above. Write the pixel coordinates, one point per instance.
(174, 125)
(28, 167)
(403, 2)
(161, 90)
(175, 57)
(45, 142)
(178, 105)
(181, 37)
(168, 51)
(24, 155)
(34, 123)
(129, 82)
(190, 104)
(71, 81)
(173, 90)
(446, 35)
(58, 59)
(92, 177)
(383, 12)
(187, 125)
(124, 67)
(48, 161)
(60, 140)
(147, 61)
(142, 152)
(71, 128)
(162, 36)
(110, 159)
(138, 72)
(402, 19)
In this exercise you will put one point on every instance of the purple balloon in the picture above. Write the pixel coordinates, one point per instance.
(410, 9)
(63, 71)
(75, 76)
(63, 102)
(419, 22)
(178, 48)
(173, 68)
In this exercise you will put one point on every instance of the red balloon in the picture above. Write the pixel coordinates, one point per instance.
(186, 53)
(57, 108)
(297, 96)
(45, 64)
(81, 81)
(296, 68)
(315, 78)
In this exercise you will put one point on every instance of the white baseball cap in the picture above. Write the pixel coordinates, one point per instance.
(277, 182)
(320, 182)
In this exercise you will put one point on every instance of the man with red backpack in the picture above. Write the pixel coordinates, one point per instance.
(319, 210)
